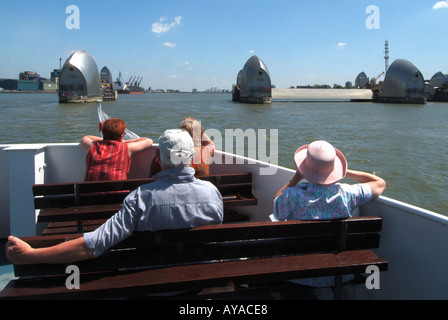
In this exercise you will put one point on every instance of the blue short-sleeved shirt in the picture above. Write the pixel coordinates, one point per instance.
(176, 200)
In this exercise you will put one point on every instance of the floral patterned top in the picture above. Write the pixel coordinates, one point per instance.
(309, 201)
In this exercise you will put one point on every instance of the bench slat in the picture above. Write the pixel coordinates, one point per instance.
(53, 189)
(104, 211)
(231, 232)
(130, 184)
(232, 196)
(67, 227)
(70, 226)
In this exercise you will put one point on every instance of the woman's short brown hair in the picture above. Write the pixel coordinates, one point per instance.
(113, 129)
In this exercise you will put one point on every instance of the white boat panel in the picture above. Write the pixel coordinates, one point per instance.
(4, 193)
(414, 241)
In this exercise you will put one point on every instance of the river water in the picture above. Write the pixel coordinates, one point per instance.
(407, 145)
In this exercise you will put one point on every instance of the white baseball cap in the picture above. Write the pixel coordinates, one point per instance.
(176, 147)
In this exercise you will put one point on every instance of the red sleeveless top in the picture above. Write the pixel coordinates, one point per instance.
(107, 160)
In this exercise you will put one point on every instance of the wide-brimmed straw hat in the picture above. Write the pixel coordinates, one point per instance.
(319, 162)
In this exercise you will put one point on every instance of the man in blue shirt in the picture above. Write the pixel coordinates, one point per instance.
(176, 200)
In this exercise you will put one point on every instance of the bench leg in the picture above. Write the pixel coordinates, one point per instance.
(80, 227)
(338, 287)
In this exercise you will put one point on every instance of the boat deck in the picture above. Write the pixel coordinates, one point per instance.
(413, 240)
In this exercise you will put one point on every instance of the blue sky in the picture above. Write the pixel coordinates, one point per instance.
(202, 44)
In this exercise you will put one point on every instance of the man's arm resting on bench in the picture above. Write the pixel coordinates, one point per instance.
(20, 252)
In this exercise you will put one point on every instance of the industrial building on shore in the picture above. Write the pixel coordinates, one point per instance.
(77, 81)
(32, 81)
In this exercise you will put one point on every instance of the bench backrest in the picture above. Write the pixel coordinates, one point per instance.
(236, 189)
(220, 242)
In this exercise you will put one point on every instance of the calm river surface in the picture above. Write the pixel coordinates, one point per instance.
(407, 145)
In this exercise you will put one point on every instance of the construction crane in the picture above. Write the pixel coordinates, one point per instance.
(139, 82)
(372, 82)
(135, 84)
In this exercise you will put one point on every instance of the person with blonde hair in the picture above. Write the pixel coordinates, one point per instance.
(204, 149)
(109, 157)
(204, 146)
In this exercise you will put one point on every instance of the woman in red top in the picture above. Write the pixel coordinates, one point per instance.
(109, 158)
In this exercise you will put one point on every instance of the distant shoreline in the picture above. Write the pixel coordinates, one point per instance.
(38, 91)
(280, 95)
(150, 92)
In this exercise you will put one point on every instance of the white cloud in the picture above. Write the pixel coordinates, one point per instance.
(174, 76)
(161, 27)
(441, 5)
(341, 46)
(186, 63)
(169, 44)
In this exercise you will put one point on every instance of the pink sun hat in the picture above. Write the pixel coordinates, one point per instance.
(319, 162)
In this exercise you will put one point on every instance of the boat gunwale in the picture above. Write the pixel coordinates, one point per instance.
(414, 210)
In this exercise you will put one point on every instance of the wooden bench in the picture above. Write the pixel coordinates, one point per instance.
(83, 206)
(251, 255)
